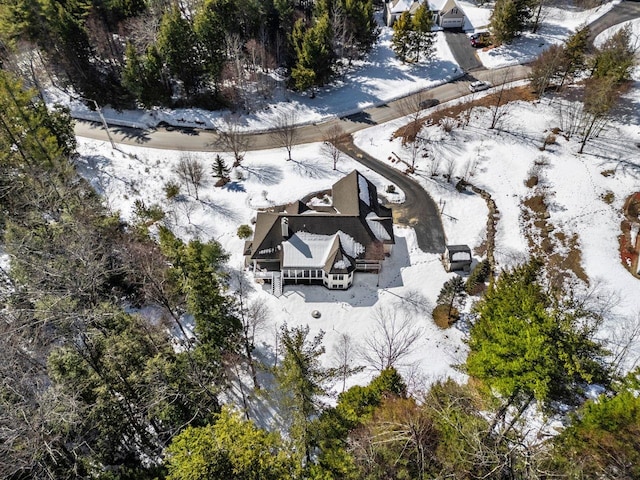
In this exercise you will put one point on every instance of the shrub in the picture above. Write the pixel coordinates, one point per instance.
(608, 197)
(391, 189)
(171, 189)
(245, 231)
(148, 215)
(477, 278)
(442, 318)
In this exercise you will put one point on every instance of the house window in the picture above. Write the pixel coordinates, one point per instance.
(454, 11)
(339, 277)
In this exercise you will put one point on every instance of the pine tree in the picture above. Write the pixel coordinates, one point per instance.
(508, 20)
(524, 346)
(220, 169)
(575, 49)
(178, 45)
(602, 440)
(452, 293)
(616, 58)
(401, 41)
(196, 272)
(314, 54)
(361, 23)
(302, 381)
(422, 38)
(232, 448)
(209, 27)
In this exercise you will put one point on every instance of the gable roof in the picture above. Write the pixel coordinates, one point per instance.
(445, 7)
(355, 195)
(358, 220)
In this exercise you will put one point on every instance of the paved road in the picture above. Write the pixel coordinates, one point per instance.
(418, 211)
(462, 51)
(622, 12)
(206, 140)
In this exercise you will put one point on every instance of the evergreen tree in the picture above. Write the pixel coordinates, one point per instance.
(509, 19)
(478, 276)
(452, 293)
(524, 346)
(354, 408)
(196, 272)
(209, 26)
(402, 36)
(314, 54)
(422, 38)
(603, 440)
(616, 58)
(575, 49)
(220, 169)
(302, 381)
(178, 45)
(361, 23)
(231, 448)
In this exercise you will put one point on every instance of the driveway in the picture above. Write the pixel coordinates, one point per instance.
(418, 211)
(622, 12)
(462, 50)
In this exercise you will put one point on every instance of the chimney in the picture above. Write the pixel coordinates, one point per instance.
(284, 224)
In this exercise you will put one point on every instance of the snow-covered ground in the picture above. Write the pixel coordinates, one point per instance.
(634, 26)
(377, 79)
(497, 160)
(557, 24)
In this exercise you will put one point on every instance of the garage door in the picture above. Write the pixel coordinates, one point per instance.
(452, 22)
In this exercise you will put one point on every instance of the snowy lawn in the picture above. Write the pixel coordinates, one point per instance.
(500, 161)
(557, 25)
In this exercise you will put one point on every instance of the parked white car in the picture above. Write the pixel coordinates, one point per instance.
(478, 86)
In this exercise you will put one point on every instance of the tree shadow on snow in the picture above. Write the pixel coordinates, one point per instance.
(265, 174)
(234, 187)
(221, 209)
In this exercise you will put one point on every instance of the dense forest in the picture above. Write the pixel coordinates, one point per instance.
(94, 386)
(210, 53)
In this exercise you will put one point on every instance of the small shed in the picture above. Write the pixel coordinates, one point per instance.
(457, 257)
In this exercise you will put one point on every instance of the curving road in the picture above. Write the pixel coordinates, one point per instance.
(622, 12)
(418, 210)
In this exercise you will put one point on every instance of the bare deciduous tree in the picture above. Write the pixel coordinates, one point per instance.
(600, 94)
(501, 99)
(231, 138)
(332, 138)
(392, 339)
(253, 317)
(191, 171)
(284, 131)
(343, 356)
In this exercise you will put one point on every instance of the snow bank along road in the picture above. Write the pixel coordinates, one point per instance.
(418, 211)
(207, 141)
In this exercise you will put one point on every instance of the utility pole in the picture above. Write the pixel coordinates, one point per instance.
(104, 124)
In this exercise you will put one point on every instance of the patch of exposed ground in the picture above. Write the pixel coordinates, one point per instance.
(559, 251)
(462, 112)
(630, 237)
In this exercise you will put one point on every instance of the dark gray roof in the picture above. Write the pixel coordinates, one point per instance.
(350, 219)
(337, 256)
(458, 248)
(347, 198)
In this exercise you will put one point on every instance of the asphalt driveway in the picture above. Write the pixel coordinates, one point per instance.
(418, 211)
(462, 50)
